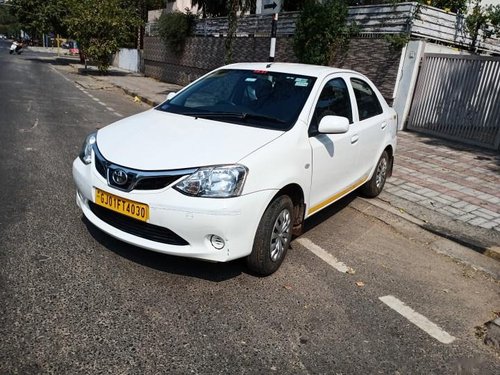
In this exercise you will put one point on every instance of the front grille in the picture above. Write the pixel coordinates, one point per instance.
(100, 166)
(154, 183)
(137, 179)
(136, 227)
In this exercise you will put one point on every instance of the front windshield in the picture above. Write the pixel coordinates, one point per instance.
(254, 98)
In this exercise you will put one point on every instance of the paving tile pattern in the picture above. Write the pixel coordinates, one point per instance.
(459, 181)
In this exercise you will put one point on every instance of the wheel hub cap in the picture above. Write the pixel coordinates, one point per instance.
(381, 173)
(280, 235)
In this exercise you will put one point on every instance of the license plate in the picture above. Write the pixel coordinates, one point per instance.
(121, 205)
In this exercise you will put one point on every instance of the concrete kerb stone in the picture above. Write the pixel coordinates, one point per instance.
(413, 228)
(464, 240)
(127, 91)
(148, 101)
(493, 252)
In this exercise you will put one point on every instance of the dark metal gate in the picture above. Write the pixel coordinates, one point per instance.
(458, 97)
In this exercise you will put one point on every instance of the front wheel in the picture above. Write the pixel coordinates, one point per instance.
(273, 237)
(374, 187)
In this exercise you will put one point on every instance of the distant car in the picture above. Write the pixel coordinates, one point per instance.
(235, 162)
(2, 36)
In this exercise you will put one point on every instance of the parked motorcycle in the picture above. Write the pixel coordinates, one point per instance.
(16, 47)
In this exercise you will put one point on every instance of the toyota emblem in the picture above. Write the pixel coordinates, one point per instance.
(119, 177)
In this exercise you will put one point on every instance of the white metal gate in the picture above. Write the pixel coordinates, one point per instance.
(458, 97)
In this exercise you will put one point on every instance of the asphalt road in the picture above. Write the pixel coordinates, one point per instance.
(75, 301)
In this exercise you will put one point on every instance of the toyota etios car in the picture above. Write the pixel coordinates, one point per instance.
(232, 165)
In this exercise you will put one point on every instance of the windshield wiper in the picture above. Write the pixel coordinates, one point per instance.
(263, 117)
(238, 115)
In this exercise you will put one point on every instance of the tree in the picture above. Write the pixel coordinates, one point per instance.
(235, 6)
(142, 7)
(482, 22)
(101, 27)
(8, 22)
(174, 28)
(39, 17)
(455, 6)
(231, 9)
(322, 31)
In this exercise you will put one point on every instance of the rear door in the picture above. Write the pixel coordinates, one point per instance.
(372, 123)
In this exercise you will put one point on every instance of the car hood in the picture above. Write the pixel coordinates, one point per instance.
(156, 140)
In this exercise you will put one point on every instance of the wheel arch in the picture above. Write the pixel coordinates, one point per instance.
(390, 152)
(296, 194)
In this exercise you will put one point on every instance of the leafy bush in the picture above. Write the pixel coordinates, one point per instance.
(322, 31)
(174, 28)
(485, 19)
(397, 41)
(101, 27)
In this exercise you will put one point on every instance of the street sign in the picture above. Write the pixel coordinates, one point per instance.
(271, 6)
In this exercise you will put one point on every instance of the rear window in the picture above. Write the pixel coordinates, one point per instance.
(368, 103)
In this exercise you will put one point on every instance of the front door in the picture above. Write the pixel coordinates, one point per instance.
(335, 169)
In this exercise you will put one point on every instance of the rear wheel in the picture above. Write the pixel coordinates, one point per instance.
(374, 187)
(273, 237)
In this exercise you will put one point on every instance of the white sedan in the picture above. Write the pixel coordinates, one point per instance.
(232, 165)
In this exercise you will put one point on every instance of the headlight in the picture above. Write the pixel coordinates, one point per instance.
(86, 153)
(214, 182)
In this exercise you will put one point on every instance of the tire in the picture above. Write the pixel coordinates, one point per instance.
(273, 237)
(374, 187)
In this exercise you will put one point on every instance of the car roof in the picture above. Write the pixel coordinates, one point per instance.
(293, 68)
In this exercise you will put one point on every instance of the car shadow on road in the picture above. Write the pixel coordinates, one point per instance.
(329, 212)
(215, 272)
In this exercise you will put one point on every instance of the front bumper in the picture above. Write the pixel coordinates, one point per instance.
(193, 219)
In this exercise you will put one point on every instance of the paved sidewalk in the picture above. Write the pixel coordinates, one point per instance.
(453, 188)
(450, 189)
(458, 181)
(148, 90)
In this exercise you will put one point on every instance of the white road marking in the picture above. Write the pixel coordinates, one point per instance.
(324, 255)
(418, 319)
(84, 91)
(58, 72)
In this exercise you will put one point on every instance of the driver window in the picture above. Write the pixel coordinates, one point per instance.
(334, 101)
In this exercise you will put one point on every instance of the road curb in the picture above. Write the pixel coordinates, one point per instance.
(127, 91)
(473, 244)
(148, 101)
(493, 252)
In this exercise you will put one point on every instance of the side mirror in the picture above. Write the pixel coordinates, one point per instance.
(333, 125)
(171, 95)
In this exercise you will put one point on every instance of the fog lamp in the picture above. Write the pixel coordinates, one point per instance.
(217, 242)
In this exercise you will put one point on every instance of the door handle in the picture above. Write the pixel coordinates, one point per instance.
(384, 125)
(354, 139)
